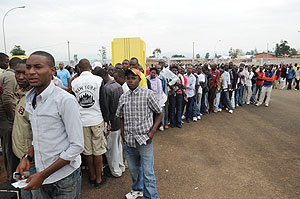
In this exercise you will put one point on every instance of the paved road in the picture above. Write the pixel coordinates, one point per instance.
(253, 153)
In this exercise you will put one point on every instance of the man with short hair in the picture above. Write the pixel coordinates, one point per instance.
(109, 96)
(135, 110)
(119, 77)
(57, 133)
(125, 64)
(266, 91)
(4, 61)
(64, 75)
(8, 101)
(86, 88)
(134, 63)
(190, 93)
(213, 83)
(22, 133)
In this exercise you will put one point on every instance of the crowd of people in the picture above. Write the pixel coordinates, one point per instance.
(52, 117)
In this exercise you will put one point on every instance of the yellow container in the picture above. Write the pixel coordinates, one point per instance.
(126, 48)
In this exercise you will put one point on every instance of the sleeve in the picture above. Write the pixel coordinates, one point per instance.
(104, 103)
(71, 118)
(153, 103)
(120, 109)
(114, 99)
(9, 86)
(159, 90)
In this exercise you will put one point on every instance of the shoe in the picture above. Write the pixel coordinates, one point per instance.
(257, 104)
(134, 194)
(266, 105)
(215, 111)
(194, 119)
(179, 125)
(172, 126)
(199, 118)
(183, 117)
(201, 114)
(166, 126)
(237, 105)
(99, 185)
(230, 111)
(220, 110)
(161, 128)
(248, 103)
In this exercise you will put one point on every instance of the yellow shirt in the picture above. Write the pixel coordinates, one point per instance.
(143, 82)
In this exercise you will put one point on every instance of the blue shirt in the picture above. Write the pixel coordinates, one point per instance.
(57, 130)
(63, 75)
(291, 73)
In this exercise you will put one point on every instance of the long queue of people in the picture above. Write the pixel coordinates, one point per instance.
(50, 118)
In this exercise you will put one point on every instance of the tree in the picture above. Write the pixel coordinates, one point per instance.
(207, 55)
(102, 54)
(178, 55)
(232, 53)
(252, 52)
(198, 56)
(217, 56)
(76, 58)
(156, 52)
(293, 51)
(282, 49)
(17, 50)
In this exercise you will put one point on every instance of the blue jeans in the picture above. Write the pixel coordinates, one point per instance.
(239, 95)
(255, 89)
(290, 84)
(226, 102)
(175, 108)
(196, 110)
(32, 194)
(189, 108)
(217, 102)
(164, 112)
(68, 187)
(140, 163)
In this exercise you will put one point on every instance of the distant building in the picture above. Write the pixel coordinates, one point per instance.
(265, 55)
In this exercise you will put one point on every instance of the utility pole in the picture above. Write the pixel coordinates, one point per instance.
(193, 53)
(69, 52)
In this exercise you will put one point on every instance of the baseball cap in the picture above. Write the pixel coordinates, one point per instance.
(133, 71)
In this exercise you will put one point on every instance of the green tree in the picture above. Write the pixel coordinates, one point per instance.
(156, 52)
(233, 53)
(207, 55)
(293, 51)
(198, 56)
(178, 55)
(76, 58)
(282, 49)
(17, 50)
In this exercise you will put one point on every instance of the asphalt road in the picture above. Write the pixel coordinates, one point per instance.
(253, 153)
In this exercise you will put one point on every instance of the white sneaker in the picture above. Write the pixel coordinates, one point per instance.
(220, 110)
(230, 111)
(194, 119)
(134, 194)
(266, 105)
(161, 128)
(199, 118)
(248, 103)
(183, 117)
(257, 104)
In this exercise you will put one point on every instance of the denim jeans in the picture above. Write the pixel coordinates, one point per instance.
(204, 103)
(140, 163)
(226, 101)
(217, 102)
(255, 89)
(290, 84)
(32, 194)
(239, 95)
(189, 108)
(66, 188)
(175, 107)
(196, 108)
(164, 112)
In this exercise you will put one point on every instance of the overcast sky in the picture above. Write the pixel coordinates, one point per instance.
(169, 25)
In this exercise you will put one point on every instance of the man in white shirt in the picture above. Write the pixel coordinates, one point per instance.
(248, 85)
(190, 93)
(226, 87)
(86, 88)
(57, 133)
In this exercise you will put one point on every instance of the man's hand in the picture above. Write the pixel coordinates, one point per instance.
(35, 181)
(150, 135)
(24, 165)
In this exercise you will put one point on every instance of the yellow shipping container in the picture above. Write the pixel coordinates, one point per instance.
(126, 48)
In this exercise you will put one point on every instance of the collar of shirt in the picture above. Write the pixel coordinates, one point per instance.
(135, 91)
(43, 96)
(86, 73)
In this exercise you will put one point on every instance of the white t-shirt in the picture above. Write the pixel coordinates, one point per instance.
(201, 78)
(125, 87)
(87, 89)
(249, 77)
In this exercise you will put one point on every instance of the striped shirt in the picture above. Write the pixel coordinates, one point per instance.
(136, 108)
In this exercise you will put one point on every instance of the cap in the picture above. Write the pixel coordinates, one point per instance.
(133, 71)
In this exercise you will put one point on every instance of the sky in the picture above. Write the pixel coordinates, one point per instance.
(171, 25)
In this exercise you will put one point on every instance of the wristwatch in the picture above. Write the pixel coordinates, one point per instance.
(27, 157)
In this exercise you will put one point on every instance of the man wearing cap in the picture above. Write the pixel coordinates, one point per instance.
(135, 110)
(134, 64)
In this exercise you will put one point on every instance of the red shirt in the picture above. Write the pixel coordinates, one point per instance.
(215, 77)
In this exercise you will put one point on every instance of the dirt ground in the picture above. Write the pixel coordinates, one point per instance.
(253, 153)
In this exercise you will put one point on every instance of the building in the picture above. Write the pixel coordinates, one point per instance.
(265, 55)
(126, 48)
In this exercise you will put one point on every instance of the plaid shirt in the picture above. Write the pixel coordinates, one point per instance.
(136, 108)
